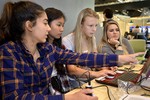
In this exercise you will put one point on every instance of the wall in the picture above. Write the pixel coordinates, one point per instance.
(2, 2)
(70, 8)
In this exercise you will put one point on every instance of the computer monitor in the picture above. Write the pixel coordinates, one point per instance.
(148, 29)
(147, 44)
(147, 54)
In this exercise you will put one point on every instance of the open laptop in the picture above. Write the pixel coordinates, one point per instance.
(126, 76)
(147, 44)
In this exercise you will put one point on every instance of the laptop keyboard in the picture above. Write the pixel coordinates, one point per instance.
(126, 77)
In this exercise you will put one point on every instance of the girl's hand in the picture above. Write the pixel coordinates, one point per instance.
(113, 41)
(102, 73)
(81, 95)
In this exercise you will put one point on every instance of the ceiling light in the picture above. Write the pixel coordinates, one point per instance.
(120, 0)
(131, 21)
(139, 10)
(116, 11)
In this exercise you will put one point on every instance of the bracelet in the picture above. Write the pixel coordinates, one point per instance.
(117, 45)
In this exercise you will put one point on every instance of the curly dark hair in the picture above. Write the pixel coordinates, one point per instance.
(108, 13)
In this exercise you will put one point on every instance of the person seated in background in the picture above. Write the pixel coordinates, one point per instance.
(126, 34)
(146, 32)
(56, 20)
(130, 36)
(82, 40)
(27, 59)
(112, 42)
(148, 37)
(138, 34)
(107, 14)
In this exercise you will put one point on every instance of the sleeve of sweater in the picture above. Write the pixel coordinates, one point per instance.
(127, 44)
(109, 50)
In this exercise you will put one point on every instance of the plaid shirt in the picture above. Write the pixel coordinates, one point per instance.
(22, 78)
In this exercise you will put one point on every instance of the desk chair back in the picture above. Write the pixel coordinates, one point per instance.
(139, 45)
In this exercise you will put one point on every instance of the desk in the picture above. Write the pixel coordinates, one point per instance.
(115, 94)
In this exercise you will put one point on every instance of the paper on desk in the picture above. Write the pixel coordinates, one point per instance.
(137, 67)
(133, 97)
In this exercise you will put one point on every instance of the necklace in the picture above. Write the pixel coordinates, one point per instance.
(32, 53)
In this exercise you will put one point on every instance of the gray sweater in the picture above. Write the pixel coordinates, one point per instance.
(109, 50)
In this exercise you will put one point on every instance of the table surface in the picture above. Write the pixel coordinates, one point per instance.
(114, 92)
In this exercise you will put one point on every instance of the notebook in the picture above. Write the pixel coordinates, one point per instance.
(126, 76)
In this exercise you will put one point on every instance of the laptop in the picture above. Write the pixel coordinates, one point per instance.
(147, 53)
(126, 76)
(147, 44)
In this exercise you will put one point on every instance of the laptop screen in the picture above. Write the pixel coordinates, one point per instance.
(147, 53)
(127, 75)
(148, 44)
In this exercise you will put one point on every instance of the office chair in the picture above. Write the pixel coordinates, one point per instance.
(139, 45)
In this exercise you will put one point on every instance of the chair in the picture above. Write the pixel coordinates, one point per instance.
(138, 45)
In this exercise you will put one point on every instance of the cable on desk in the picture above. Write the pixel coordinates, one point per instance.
(125, 97)
(127, 89)
(88, 78)
(98, 86)
(140, 80)
(78, 80)
(145, 95)
(143, 87)
(106, 88)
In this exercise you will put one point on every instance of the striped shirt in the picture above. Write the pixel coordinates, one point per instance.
(22, 78)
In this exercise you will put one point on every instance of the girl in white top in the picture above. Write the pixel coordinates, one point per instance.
(59, 77)
(82, 40)
(112, 41)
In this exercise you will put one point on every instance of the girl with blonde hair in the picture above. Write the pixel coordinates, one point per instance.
(82, 33)
(82, 40)
(112, 42)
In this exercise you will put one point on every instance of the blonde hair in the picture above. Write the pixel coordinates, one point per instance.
(87, 12)
(104, 39)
